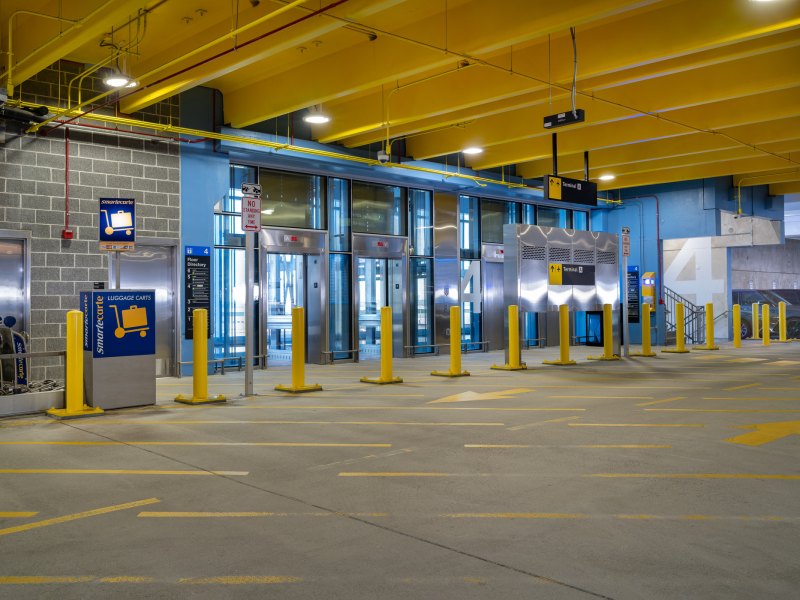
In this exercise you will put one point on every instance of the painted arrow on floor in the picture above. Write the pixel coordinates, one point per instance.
(766, 432)
(474, 396)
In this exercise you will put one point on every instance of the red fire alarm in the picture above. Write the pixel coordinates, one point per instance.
(67, 234)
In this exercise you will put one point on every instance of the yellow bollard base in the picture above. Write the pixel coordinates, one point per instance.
(559, 362)
(615, 357)
(86, 411)
(314, 387)
(521, 367)
(381, 380)
(705, 347)
(208, 400)
(675, 351)
(450, 374)
(644, 354)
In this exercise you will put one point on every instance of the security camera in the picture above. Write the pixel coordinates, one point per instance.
(383, 158)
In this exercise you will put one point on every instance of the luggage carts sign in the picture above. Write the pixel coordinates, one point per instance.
(119, 323)
(117, 224)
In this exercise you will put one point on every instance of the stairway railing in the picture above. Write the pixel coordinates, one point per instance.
(694, 317)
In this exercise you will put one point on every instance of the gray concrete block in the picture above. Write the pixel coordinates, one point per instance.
(9, 200)
(118, 154)
(131, 143)
(50, 217)
(144, 185)
(83, 192)
(20, 157)
(77, 246)
(119, 181)
(81, 219)
(65, 288)
(38, 288)
(156, 224)
(143, 158)
(74, 274)
(89, 260)
(131, 169)
(36, 173)
(45, 273)
(168, 187)
(49, 160)
(40, 329)
(156, 198)
(44, 188)
(156, 172)
(105, 166)
(98, 274)
(55, 344)
(167, 212)
(21, 215)
(38, 259)
(61, 259)
(93, 179)
(168, 160)
(174, 175)
(80, 164)
(9, 171)
(146, 210)
(105, 139)
(89, 150)
(37, 202)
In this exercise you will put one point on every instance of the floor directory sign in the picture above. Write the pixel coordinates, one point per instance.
(633, 294)
(119, 323)
(197, 274)
(117, 223)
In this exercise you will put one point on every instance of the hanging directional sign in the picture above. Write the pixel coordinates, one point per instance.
(567, 274)
(577, 191)
(251, 207)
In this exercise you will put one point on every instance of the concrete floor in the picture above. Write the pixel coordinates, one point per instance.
(601, 480)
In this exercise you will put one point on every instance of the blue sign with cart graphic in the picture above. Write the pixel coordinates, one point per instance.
(119, 322)
(117, 220)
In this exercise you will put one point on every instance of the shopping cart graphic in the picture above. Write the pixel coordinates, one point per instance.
(118, 221)
(134, 319)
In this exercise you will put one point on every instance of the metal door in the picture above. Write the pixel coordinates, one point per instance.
(299, 256)
(392, 253)
(153, 266)
(494, 306)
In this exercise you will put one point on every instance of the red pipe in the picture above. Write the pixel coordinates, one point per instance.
(66, 233)
(209, 59)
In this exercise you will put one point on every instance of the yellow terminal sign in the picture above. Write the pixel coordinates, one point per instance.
(554, 188)
(556, 274)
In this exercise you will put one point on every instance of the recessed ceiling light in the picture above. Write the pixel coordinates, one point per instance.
(472, 150)
(117, 80)
(607, 177)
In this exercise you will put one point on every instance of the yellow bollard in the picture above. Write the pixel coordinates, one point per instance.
(756, 330)
(709, 329)
(386, 350)
(737, 326)
(608, 333)
(298, 356)
(782, 323)
(73, 370)
(765, 324)
(680, 331)
(514, 361)
(455, 346)
(563, 336)
(199, 362)
(647, 350)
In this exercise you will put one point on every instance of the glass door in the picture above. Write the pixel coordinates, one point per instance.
(285, 289)
(372, 296)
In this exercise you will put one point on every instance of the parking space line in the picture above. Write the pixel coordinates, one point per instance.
(239, 580)
(76, 516)
(673, 399)
(40, 579)
(600, 446)
(741, 387)
(537, 423)
(258, 422)
(636, 424)
(725, 410)
(17, 514)
(696, 476)
(248, 514)
(277, 407)
(135, 443)
(116, 472)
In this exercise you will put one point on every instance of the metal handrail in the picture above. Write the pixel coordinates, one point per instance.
(465, 344)
(435, 346)
(694, 323)
(527, 342)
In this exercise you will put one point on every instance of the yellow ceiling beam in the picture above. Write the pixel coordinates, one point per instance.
(778, 175)
(782, 189)
(748, 165)
(411, 51)
(43, 42)
(288, 39)
(645, 45)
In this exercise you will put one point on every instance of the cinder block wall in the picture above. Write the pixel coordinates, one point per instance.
(32, 198)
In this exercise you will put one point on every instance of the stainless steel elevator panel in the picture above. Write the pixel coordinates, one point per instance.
(607, 269)
(14, 283)
(446, 276)
(153, 265)
(559, 251)
(532, 270)
(584, 297)
(494, 306)
(313, 246)
(395, 251)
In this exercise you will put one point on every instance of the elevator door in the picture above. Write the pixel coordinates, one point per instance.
(153, 267)
(286, 289)
(380, 283)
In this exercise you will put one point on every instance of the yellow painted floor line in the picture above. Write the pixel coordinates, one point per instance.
(248, 514)
(76, 516)
(127, 579)
(783, 363)
(239, 580)
(134, 443)
(516, 516)
(782, 389)
(16, 514)
(395, 474)
(695, 476)
(741, 387)
(673, 399)
(43, 580)
(724, 410)
(537, 423)
(604, 397)
(622, 446)
(115, 472)
(624, 517)
(241, 422)
(746, 360)
(636, 424)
